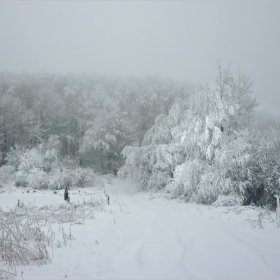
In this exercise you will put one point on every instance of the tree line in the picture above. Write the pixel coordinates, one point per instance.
(194, 142)
(95, 117)
(210, 144)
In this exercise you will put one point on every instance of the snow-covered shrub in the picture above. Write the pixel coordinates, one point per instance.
(107, 178)
(212, 184)
(7, 170)
(263, 168)
(34, 165)
(13, 157)
(138, 165)
(43, 167)
(186, 178)
(7, 173)
(84, 177)
(59, 178)
(31, 159)
(200, 150)
(158, 180)
(37, 178)
(227, 201)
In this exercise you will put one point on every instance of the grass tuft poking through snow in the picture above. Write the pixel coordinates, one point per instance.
(27, 235)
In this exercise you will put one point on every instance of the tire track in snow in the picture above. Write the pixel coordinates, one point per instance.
(188, 243)
(254, 251)
(163, 218)
(152, 247)
(186, 250)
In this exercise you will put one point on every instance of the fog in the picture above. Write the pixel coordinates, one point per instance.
(181, 40)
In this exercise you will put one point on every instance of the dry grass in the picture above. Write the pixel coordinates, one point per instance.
(6, 275)
(26, 234)
(22, 241)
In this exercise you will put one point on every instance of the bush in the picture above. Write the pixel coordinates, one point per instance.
(7, 173)
(42, 167)
(21, 182)
(20, 242)
(78, 177)
(263, 169)
(227, 200)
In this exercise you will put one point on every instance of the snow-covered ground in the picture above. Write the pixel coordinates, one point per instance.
(145, 236)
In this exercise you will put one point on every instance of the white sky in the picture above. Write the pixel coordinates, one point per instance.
(182, 40)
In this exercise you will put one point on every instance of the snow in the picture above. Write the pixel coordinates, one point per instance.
(146, 236)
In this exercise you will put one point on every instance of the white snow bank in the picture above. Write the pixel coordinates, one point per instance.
(139, 236)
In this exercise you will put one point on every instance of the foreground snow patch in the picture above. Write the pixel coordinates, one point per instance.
(146, 236)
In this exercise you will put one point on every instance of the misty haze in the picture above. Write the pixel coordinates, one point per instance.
(139, 140)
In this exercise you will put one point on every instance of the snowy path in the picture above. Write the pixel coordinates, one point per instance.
(143, 238)
(184, 241)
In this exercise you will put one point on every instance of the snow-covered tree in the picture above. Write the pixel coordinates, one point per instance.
(263, 169)
(197, 150)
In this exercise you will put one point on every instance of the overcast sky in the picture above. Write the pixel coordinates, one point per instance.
(181, 40)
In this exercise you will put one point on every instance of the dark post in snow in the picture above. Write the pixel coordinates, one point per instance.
(66, 195)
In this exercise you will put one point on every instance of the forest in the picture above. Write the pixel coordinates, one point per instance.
(194, 142)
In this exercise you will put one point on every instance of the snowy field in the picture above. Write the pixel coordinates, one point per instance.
(146, 236)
